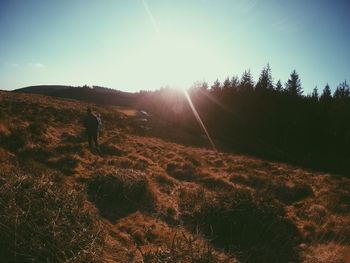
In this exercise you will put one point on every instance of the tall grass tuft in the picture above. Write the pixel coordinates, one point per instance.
(41, 221)
(120, 192)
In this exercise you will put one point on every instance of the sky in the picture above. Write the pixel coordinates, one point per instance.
(134, 45)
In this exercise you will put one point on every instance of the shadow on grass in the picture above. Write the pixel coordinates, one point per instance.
(251, 226)
(121, 192)
(74, 138)
(65, 164)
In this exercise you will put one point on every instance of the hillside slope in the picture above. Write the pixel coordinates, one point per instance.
(95, 94)
(147, 200)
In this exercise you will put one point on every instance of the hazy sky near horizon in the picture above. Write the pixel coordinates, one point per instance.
(136, 45)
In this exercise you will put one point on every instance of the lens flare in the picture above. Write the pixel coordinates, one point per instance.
(151, 17)
(188, 98)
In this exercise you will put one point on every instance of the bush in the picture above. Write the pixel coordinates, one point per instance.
(243, 223)
(121, 192)
(43, 222)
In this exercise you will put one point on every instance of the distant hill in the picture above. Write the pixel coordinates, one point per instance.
(95, 94)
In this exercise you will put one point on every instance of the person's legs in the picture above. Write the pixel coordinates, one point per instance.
(96, 142)
(90, 138)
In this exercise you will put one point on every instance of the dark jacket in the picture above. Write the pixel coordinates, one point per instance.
(92, 123)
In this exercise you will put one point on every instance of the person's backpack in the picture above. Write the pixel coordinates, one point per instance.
(94, 122)
(98, 122)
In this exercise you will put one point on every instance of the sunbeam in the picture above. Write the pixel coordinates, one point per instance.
(199, 119)
(151, 17)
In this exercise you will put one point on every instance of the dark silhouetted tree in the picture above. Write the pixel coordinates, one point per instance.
(314, 94)
(199, 87)
(293, 85)
(216, 87)
(226, 85)
(234, 82)
(326, 94)
(279, 86)
(342, 91)
(265, 79)
(247, 83)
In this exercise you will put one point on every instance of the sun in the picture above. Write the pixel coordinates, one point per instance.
(172, 57)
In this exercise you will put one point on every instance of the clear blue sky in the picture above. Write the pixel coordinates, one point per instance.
(145, 44)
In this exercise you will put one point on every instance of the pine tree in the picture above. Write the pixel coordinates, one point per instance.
(227, 84)
(326, 94)
(199, 86)
(314, 94)
(342, 91)
(279, 86)
(216, 87)
(204, 86)
(293, 85)
(247, 83)
(234, 82)
(265, 79)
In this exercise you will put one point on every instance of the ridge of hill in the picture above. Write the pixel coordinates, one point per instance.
(42, 89)
(148, 200)
(95, 94)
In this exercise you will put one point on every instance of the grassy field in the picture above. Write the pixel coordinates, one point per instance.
(149, 200)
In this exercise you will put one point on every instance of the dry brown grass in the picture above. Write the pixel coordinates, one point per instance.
(121, 192)
(155, 241)
(290, 192)
(327, 253)
(185, 248)
(146, 192)
(242, 222)
(41, 221)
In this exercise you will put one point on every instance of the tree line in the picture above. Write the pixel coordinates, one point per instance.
(271, 119)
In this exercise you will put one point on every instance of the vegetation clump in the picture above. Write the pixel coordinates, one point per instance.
(43, 222)
(185, 248)
(120, 192)
(242, 222)
(182, 171)
(291, 192)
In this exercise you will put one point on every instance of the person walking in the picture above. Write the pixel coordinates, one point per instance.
(93, 124)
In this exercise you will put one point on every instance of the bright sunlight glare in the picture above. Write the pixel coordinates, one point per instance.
(172, 52)
(176, 54)
(174, 57)
(198, 118)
